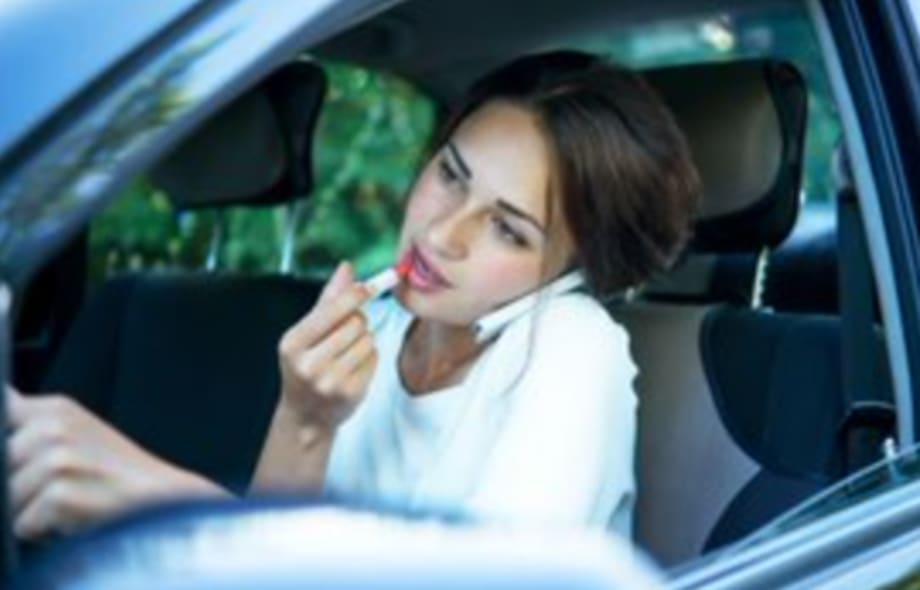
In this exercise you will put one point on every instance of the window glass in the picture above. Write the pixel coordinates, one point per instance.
(371, 134)
(886, 475)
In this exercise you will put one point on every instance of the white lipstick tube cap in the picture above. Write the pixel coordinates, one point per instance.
(382, 282)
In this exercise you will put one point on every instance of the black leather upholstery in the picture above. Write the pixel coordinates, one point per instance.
(185, 364)
(802, 272)
(776, 380)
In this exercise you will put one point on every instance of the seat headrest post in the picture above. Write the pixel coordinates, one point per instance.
(294, 214)
(217, 241)
(760, 278)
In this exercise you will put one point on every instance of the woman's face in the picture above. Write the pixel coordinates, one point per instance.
(476, 228)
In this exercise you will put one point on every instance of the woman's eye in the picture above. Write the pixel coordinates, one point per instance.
(447, 173)
(507, 233)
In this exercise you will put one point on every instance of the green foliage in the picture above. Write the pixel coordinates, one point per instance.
(371, 139)
(137, 232)
(371, 135)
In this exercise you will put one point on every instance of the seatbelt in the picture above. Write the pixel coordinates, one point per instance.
(868, 419)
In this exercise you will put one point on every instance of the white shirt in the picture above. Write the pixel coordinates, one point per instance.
(540, 432)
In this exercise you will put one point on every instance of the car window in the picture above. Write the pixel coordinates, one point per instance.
(781, 33)
(371, 134)
(885, 475)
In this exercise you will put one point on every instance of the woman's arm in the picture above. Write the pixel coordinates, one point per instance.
(294, 456)
(67, 468)
(327, 360)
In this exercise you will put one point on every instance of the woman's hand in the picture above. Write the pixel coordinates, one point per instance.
(67, 468)
(328, 357)
(327, 360)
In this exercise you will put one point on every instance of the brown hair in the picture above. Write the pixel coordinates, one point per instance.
(628, 186)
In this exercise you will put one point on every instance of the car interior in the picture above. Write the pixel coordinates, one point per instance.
(743, 410)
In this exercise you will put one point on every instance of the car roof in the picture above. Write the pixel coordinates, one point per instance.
(443, 45)
(34, 37)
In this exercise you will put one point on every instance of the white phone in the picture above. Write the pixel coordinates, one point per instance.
(490, 324)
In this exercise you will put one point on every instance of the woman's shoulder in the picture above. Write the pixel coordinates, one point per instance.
(573, 330)
(578, 320)
(572, 343)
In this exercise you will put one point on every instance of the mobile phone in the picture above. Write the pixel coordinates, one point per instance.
(490, 324)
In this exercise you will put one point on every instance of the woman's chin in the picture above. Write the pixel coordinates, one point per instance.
(428, 307)
(419, 304)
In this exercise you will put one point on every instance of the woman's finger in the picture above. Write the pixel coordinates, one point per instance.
(333, 344)
(356, 383)
(26, 442)
(332, 379)
(48, 420)
(337, 371)
(340, 280)
(350, 359)
(16, 407)
(45, 513)
(43, 470)
(323, 318)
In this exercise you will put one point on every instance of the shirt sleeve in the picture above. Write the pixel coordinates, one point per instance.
(565, 452)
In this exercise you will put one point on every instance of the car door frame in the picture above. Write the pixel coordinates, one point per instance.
(873, 68)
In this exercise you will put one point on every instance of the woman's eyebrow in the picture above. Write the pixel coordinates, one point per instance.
(508, 207)
(455, 153)
(500, 203)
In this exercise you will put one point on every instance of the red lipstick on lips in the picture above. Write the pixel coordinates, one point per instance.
(422, 274)
(403, 267)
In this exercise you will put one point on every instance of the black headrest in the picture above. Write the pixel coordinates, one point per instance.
(256, 151)
(745, 123)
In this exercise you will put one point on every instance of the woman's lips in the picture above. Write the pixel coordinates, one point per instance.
(422, 275)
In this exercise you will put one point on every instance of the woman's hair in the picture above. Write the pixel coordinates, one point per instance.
(628, 187)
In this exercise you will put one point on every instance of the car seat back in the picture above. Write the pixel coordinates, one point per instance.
(745, 123)
(185, 363)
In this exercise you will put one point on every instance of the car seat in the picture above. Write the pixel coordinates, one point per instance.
(185, 363)
(739, 407)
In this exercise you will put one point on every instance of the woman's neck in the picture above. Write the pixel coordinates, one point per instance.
(437, 355)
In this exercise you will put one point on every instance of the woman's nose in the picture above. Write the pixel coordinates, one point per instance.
(449, 234)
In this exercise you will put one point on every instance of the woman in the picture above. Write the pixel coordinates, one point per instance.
(554, 163)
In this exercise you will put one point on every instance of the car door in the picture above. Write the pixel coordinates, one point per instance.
(865, 532)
